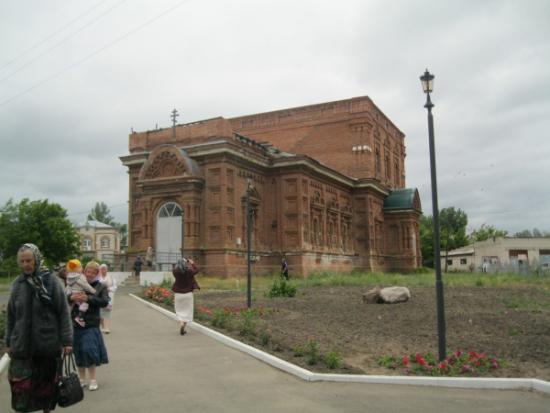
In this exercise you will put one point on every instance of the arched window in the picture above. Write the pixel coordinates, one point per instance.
(105, 242)
(170, 209)
(378, 161)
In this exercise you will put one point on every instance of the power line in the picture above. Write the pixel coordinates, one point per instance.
(41, 42)
(55, 46)
(88, 57)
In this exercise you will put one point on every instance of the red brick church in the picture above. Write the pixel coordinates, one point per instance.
(326, 182)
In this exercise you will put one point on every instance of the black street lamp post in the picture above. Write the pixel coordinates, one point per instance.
(248, 246)
(427, 85)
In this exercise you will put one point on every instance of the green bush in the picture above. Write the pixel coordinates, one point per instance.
(298, 351)
(312, 352)
(265, 337)
(221, 319)
(248, 326)
(281, 288)
(333, 360)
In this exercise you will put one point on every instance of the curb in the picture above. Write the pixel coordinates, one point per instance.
(454, 382)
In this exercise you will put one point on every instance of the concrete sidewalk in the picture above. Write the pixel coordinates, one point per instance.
(154, 369)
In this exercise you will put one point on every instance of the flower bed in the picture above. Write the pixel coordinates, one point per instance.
(334, 319)
(159, 294)
(468, 363)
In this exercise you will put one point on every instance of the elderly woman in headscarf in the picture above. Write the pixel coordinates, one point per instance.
(89, 347)
(38, 331)
(183, 287)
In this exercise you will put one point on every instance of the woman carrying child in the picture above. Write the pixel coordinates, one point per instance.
(89, 347)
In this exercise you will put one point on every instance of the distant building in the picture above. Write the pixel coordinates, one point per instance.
(99, 240)
(326, 185)
(500, 254)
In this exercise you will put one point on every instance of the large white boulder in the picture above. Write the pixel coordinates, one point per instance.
(392, 295)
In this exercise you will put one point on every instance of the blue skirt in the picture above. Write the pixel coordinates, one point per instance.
(89, 347)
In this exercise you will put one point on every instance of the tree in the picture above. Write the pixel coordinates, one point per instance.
(452, 223)
(453, 230)
(536, 233)
(100, 212)
(123, 230)
(39, 222)
(485, 232)
(427, 240)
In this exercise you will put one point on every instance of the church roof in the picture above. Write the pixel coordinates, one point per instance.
(93, 224)
(401, 199)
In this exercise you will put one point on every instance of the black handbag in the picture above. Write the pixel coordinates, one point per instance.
(70, 391)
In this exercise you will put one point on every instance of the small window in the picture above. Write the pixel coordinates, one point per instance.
(105, 242)
(87, 244)
(463, 261)
(449, 262)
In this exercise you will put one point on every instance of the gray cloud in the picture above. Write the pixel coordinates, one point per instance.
(62, 139)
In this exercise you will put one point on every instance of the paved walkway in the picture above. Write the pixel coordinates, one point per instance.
(154, 369)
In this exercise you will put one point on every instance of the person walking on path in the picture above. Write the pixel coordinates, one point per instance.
(38, 330)
(284, 269)
(183, 288)
(149, 257)
(105, 313)
(137, 266)
(88, 344)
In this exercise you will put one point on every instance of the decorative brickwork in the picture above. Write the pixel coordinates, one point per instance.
(319, 178)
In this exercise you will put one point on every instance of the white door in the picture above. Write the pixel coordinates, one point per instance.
(169, 235)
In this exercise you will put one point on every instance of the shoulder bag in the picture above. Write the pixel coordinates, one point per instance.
(70, 391)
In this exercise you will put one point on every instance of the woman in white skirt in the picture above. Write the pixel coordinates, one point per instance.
(184, 285)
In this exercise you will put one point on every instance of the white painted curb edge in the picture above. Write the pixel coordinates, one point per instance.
(456, 382)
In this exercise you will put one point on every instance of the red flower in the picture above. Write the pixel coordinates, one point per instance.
(420, 360)
(405, 361)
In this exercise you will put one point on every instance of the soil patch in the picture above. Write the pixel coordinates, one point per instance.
(512, 323)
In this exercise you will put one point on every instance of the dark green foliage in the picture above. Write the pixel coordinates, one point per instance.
(100, 212)
(281, 288)
(452, 224)
(265, 337)
(485, 232)
(298, 351)
(39, 222)
(248, 326)
(333, 360)
(221, 318)
(312, 352)
(536, 233)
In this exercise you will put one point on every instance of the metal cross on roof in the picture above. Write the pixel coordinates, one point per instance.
(175, 114)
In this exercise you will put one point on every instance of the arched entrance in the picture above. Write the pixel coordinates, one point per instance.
(169, 235)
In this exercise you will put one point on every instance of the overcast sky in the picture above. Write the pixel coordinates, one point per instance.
(76, 76)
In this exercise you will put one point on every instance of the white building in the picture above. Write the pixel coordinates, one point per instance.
(99, 240)
(500, 254)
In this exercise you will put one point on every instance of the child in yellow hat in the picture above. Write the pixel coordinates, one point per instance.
(76, 283)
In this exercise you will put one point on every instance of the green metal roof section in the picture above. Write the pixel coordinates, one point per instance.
(402, 199)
